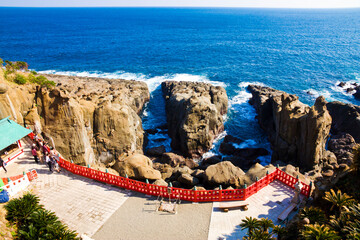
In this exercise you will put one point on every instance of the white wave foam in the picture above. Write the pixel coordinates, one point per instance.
(215, 146)
(347, 85)
(152, 82)
(317, 93)
(246, 144)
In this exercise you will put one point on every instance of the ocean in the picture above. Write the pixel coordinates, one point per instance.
(299, 51)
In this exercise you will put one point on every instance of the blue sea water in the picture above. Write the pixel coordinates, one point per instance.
(294, 50)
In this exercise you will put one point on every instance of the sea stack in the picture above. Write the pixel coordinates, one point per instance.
(194, 115)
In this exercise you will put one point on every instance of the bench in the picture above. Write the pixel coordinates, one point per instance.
(284, 214)
(225, 207)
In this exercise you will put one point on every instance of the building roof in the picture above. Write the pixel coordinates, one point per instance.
(10, 132)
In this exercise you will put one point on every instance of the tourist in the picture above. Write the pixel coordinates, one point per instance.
(2, 164)
(55, 156)
(45, 148)
(34, 153)
(48, 161)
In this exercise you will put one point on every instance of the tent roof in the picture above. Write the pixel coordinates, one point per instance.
(10, 132)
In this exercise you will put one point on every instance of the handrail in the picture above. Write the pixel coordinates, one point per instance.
(184, 194)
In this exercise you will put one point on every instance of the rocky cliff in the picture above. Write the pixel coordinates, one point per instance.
(87, 119)
(297, 132)
(346, 119)
(194, 115)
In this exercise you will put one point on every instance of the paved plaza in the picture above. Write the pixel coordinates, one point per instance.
(269, 202)
(105, 212)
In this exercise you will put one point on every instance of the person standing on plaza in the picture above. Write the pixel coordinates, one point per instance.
(2, 164)
(48, 161)
(34, 153)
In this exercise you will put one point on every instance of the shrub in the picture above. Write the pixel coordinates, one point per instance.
(21, 65)
(43, 81)
(33, 72)
(1, 62)
(35, 222)
(20, 79)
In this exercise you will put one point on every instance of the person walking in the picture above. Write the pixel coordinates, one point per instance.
(2, 164)
(34, 153)
(48, 161)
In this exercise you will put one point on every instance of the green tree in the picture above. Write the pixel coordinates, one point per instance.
(250, 224)
(319, 232)
(315, 215)
(22, 65)
(1, 62)
(265, 224)
(338, 200)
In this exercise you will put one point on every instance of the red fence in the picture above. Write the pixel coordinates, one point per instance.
(184, 194)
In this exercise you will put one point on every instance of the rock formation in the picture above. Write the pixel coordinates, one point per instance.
(345, 119)
(225, 174)
(194, 115)
(137, 166)
(297, 132)
(87, 119)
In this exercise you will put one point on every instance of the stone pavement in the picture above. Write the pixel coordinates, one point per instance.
(83, 204)
(269, 202)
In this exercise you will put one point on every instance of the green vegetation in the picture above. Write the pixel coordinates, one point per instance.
(12, 73)
(262, 228)
(20, 79)
(35, 222)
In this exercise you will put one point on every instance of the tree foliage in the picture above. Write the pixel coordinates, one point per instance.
(35, 222)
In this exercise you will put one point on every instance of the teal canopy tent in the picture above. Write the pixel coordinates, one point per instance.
(11, 132)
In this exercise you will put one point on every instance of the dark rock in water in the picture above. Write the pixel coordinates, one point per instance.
(227, 148)
(212, 160)
(250, 153)
(156, 151)
(162, 127)
(341, 84)
(151, 131)
(240, 161)
(194, 114)
(296, 131)
(348, 90)
(345, 119)
(159, 139)
(355, 84)
(357, 93)
(310, 93)
(232, 139)
(342, 146)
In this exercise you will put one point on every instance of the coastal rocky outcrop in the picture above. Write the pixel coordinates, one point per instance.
(194, 115)
(297, 132)
(137, 166)
(87, 119)
(225, 174)
(345, 119)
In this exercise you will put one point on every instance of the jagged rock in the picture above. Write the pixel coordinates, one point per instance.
(199, 188)
(296, 132)
(176, 160)
(161, 182)
(172, 159)
(225, 174)
(3, 88)
(156, 151)
(341, 84)
(342, 146)
(346, 119)
(258, 171)
(165, 169)
(357, 93)
(187, 179)
(194, 114)
(328, 173)
(240, 161)
(137, 166)
(198, 173)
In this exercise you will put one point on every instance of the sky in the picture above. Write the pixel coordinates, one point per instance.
(184, 3)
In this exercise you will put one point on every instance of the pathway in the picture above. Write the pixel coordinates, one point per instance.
(269, 202)
(83, 204)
